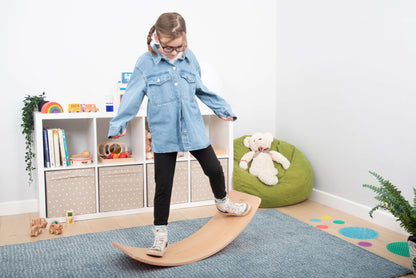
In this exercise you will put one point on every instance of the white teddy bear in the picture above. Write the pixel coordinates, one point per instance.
(262, 166)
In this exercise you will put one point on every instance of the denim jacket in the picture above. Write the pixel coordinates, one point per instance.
(173, 114)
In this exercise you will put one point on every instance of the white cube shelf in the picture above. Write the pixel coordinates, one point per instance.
(84, 131)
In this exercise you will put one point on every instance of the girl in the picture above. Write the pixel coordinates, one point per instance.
(170, 76)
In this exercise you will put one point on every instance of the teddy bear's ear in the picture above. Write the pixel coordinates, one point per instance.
(247, 142)
(269, 136)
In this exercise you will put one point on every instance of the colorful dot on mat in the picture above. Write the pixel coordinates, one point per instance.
(358, 233)
(399, 248)
(315, 220)
(339, 222)
(322, 226)
(365, 244)
(326, 217)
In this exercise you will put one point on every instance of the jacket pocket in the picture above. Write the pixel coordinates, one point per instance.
(190, 77)
(159, 90)
(190, 83)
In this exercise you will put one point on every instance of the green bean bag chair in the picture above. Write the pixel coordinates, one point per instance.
(294, 186)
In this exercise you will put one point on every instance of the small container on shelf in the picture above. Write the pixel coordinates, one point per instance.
(83, 158)
(114, 152)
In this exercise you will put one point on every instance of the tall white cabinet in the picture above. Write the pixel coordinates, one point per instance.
(99, 190)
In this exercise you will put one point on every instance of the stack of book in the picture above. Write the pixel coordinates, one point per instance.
(55, 148)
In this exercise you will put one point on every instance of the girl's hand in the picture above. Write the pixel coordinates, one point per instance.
(120, 135)
(230, 119)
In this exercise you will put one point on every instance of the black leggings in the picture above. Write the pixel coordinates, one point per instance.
(165, 169)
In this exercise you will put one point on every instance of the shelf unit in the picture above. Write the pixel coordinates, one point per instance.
(95, 189)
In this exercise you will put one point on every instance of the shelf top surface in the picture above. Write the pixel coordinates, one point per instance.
(90, 115)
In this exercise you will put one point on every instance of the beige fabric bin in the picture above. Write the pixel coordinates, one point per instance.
(200, 187)
(180, 184)
(120, 187)
(70, 190)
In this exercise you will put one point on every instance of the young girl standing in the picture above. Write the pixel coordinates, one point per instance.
(170, 76)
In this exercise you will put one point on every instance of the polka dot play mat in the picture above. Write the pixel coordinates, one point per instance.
(358, 233)
(399, 248)
(365, 235)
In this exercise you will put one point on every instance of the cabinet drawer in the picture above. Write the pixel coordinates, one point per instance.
(180, 184)
(70, 190)
(120, 188)
(200, 186)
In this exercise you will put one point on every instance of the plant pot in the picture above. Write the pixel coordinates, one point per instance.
(411, 240)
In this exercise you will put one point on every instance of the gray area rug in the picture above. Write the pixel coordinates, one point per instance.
(272, 245)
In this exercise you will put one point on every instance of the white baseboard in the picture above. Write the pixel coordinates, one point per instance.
(18, 207)
(382, 218)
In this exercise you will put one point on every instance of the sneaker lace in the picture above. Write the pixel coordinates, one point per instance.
(159, 242)
(235, 207)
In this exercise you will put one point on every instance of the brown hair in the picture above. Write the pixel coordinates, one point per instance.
(168, 25)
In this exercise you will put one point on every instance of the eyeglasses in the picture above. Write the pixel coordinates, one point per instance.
(169, 49)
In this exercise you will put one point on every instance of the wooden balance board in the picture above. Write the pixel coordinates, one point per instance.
(217, 233)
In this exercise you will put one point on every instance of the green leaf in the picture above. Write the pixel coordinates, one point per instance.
(390, 198)
(30, 103)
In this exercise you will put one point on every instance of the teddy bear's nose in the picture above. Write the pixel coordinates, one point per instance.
(260, 139)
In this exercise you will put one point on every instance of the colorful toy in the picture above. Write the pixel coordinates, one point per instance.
(90, 108)
(78, 107)
(70, 217)
(125, 77)
(51, 107)
(55, 228)
(75, 107)
(108, 151)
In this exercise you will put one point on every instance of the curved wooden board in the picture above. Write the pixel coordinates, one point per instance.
(217, 233)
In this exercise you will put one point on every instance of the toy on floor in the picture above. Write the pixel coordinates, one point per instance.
(262, 158)
(55, 228)
(70, 217)
(35, 231)
(36, 226)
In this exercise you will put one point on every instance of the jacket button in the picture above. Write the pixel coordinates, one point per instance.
(158, 80)
(176, 84)
(174, 68)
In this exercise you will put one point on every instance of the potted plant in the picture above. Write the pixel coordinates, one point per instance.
(391, 199)
(30, 104)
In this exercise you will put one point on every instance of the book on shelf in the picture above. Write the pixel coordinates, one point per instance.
(51, 151)
(56, 154)
(55, 148)
(46, 149)
(65, 147)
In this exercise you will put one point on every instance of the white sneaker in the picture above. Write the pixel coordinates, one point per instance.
(160, 243)
(230, 208)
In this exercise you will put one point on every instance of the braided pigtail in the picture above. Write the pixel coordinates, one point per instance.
(149, 40)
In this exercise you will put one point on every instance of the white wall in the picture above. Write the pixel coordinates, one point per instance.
(347, 91)
(75, 51)
(334, 78)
